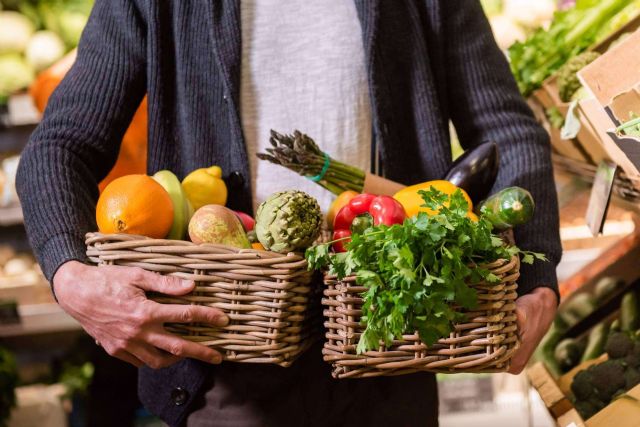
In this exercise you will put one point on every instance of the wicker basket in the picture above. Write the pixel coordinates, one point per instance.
(484, 342)
(266, 295)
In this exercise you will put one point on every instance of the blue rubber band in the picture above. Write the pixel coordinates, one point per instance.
(325, 168)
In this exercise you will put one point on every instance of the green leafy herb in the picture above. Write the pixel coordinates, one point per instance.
(418, 273)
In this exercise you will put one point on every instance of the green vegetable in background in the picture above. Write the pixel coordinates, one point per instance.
(415, 272)
(615, 326)
(77, 378)
(67, 18)
(629, 312)
(567, 353)
(606, 287)
(8, 383)
(595, 387)
(15, 74)
(555, 117)
(596, 342)
(568, 83)
(618, 21)
(630, 128)
(546, 349)
(15, 32)
(581, 305)
(619, 345)
(571, 32)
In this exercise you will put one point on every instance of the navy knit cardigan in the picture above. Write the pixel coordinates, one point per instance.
(428, 62)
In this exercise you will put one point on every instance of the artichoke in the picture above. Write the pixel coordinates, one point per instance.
(288, 221)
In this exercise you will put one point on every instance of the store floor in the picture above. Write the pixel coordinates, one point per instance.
(499, 400)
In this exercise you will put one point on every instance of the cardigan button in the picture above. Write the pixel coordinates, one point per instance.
(179, 396)
(235, 180)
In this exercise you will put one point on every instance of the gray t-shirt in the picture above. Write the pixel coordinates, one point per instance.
(303, 67)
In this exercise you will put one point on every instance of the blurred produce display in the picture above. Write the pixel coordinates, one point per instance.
(595, 387)
(560, 353)
(34, 34)
(571, 32)
(18, 268)
(8, 170)
(512, 20)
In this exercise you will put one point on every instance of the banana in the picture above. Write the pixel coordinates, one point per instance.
(182, 209)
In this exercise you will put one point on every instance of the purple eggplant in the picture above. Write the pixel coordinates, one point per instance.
(475, 171)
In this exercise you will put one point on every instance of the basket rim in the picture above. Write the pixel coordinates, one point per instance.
(123, 241)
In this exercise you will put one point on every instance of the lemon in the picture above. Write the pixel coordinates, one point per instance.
(205, 187)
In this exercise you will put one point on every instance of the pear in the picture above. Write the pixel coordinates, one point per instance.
(182, 209)
(217, 224)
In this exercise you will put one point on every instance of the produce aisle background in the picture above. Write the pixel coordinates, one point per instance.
(63, 376)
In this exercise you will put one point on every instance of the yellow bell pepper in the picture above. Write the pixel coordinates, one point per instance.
(412, 202)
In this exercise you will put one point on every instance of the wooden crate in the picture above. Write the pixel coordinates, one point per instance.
(555, 393)
(586, 146)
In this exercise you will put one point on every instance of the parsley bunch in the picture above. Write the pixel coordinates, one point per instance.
(418, 273)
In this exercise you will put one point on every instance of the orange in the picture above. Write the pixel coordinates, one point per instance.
(258, 246)
(339, 202)
(412, 202)
(135, 204)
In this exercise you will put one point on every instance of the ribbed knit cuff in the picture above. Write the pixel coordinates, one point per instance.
(540, 274)
(59, 249)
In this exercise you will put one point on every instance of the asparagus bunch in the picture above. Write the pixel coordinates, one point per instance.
(300, 153)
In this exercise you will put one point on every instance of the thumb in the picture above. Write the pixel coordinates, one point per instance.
(155, 282)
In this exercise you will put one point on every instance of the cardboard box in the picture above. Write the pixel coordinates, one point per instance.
(614, 80)
(602, 123)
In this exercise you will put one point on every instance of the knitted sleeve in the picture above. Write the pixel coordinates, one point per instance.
(485, 105)
(78, 140)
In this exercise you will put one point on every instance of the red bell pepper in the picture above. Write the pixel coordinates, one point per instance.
(365, 210)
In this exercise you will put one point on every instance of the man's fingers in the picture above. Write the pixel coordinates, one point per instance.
(183, 348)
(124, 356)
(176, 313)
(152, 357)
(169, 285)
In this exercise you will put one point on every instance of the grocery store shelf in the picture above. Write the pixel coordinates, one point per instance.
(13, 139)
(11, 216)
(40, 319)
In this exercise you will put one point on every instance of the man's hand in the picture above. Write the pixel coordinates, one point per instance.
(111, 305)
(535, 313)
